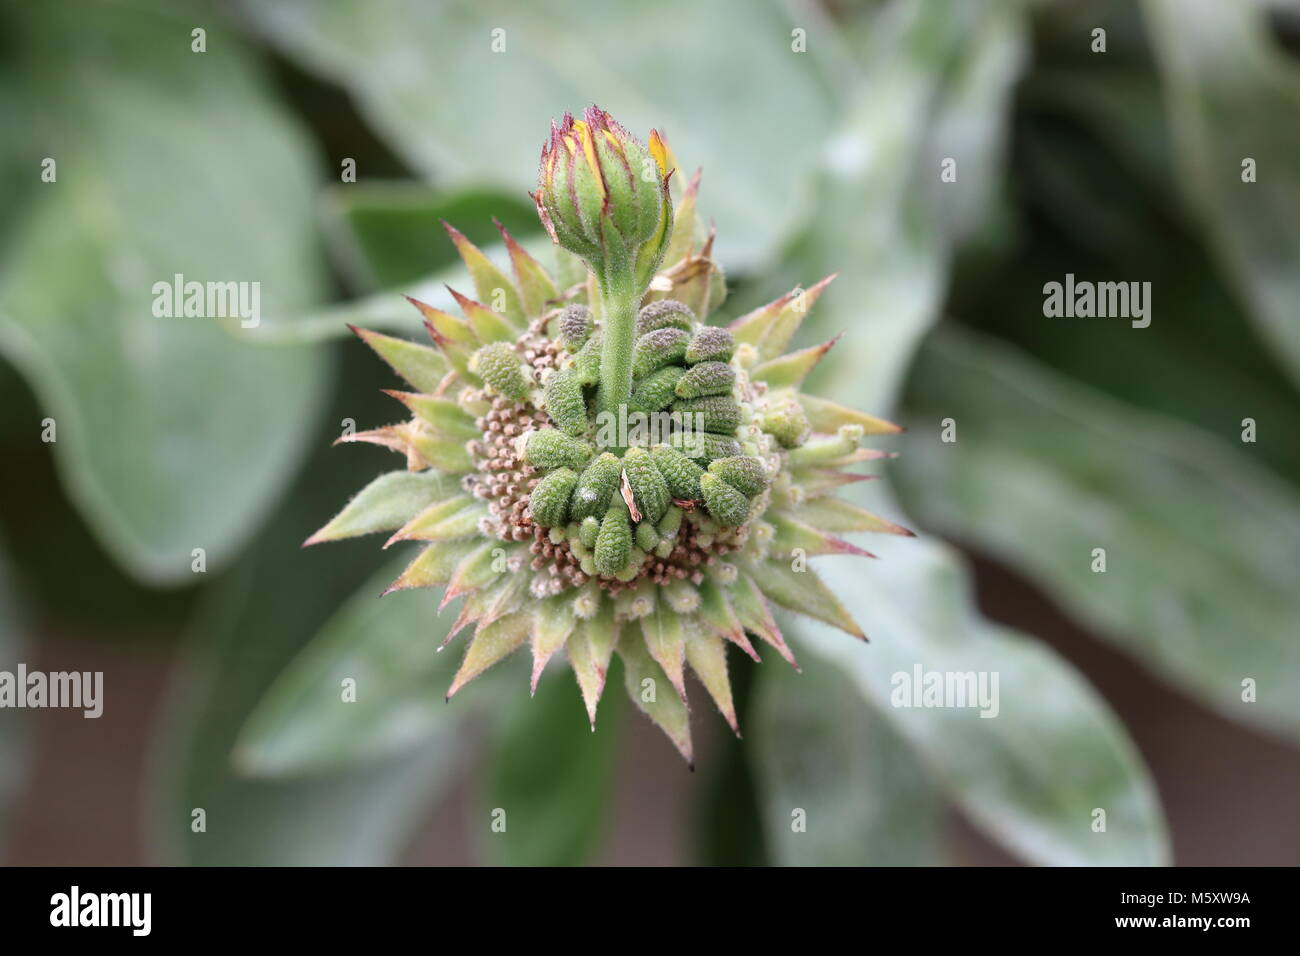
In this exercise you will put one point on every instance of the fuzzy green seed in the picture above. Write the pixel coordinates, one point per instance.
(710, 344)
(681, 474)
(743, 472)
(715, 413)
(657, 391)
(656, 349)
(648, 486)
(613, 542)
(596, 486)
(548, 503)
(670, 523)
(664, 314)
(707, 378)
(588, 530)
(647, 538)
(574, 326)
(562, 396)
(499, 366)
(586, 364)
(728, 506)
(548, 448)
(703, 447)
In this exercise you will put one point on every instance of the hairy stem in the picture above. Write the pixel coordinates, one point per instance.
(618, 299)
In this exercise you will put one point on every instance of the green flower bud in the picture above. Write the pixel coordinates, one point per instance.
(613, 542)
(656, 349)
(711, 344)
(664, 314)
(719, 413)
(681, 596)
(648, 486)
(603, 196)
(744, 473)
(707, 378)
(597, 484)
(657, 391)
(726, 505)
(548, 503)
(680, 473)
(574, 326)
(562, 396)
(499, 366)
(548, 448)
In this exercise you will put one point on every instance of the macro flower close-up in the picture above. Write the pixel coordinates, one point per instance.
(596, 468)
(746, 434)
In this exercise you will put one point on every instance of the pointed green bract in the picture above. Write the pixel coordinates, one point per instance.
(385, 504)
(803, 591)
(651, 691)
(666, 642)
(424, 368)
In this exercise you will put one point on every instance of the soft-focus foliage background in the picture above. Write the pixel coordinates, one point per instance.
(1120, 690)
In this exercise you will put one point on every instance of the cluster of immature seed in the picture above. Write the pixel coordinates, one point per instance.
(661, 513)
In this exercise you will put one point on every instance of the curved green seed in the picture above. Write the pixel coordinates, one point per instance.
(707, 378)
(586, 364)
(727, 506)
(704, 447)
(664, 314)
(548, 503)
(681, 474)
(613, 541)
(562, 396)
(588, 530)
(499, 366)
(596, 486)
(548, 448)
(657, 391)
(743, 472)
(648, 486)
(574, 326)
(716, 413)
(647, 538)
(656, 349)
(711, 344)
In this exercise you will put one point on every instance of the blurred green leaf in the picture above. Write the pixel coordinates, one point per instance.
(388, 311)
(390, 649)
(15, 727)
(552, 775)
(427, 77)
(388, 234)
(1031, 776)
(1231, 96)
(821, 751)
(937, 85)
(172, 435)
(1201, 543)
(256, 623)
